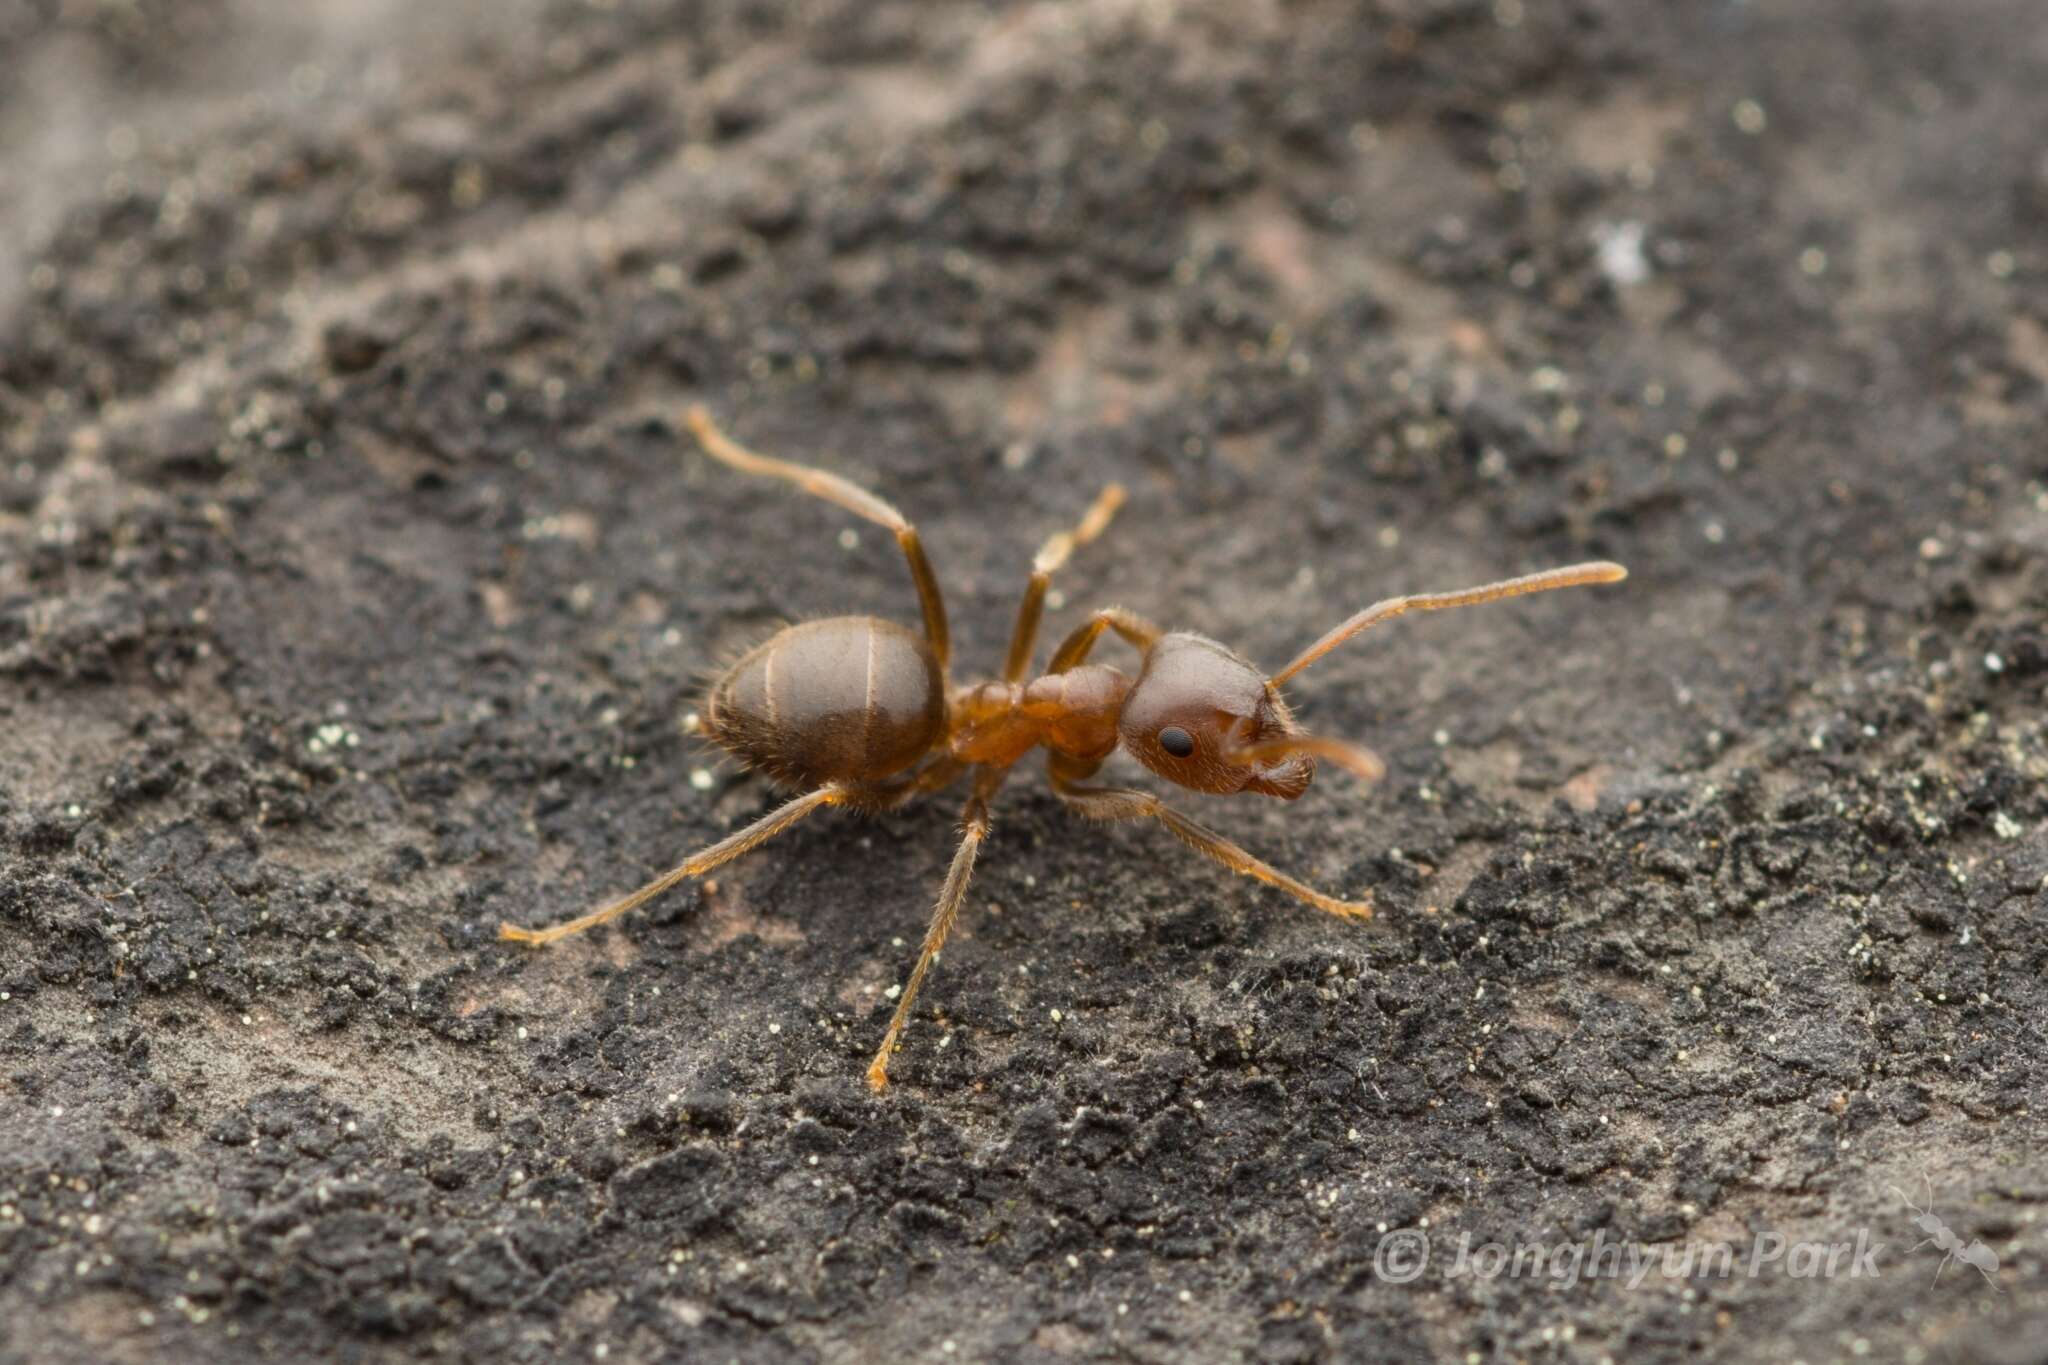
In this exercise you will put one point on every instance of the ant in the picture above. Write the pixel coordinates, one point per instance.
(845, 709)
(1976, 1255)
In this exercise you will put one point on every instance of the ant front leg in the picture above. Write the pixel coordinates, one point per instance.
(1051, 557)
(1073, 651)
(1125, 803)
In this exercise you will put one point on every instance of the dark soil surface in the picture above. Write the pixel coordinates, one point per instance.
(355, 582)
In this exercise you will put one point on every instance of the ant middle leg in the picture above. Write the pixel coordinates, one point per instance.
(1125, 803)
(974, 824)
(935, 776)
(842, 493)
(724, 851)
(1052, 556)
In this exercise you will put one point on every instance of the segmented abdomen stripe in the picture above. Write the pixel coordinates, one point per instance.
(867, 710)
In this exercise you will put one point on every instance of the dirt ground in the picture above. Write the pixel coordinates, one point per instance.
(355, 582)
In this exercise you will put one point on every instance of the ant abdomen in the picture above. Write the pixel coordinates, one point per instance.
(845, 699)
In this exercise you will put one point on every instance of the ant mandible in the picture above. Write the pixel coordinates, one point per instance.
(845, 710)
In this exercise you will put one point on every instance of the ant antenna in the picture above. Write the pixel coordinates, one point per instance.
(1572, 576)
(1355, 759)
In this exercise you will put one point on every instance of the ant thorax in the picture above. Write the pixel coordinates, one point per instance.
(1073, 713)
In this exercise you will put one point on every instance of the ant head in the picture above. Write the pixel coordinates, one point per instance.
(1202, 716)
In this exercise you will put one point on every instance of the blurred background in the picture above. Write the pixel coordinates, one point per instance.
(92, 86)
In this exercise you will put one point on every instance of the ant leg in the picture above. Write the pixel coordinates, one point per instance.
(973, 829)
(1051, 557)
(1120, 803)
(724, 851)
(843, 493)
(936, 776)
(1141, 634)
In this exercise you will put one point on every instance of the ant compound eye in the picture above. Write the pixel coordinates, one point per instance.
(1177, 741)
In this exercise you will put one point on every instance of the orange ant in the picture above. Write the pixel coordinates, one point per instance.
(845, 709)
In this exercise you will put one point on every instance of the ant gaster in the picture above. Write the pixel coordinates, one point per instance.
(846, 709)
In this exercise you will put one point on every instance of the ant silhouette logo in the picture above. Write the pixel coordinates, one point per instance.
(1975, 1254)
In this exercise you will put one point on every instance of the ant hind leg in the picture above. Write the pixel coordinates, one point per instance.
(724, 851)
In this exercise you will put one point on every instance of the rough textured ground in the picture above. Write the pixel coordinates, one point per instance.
(353, 583)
